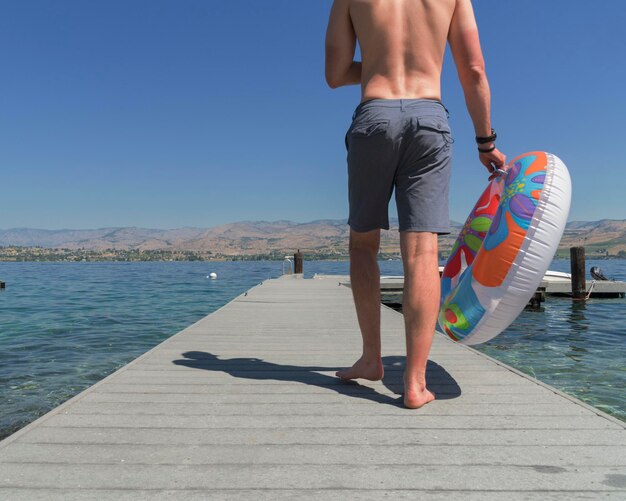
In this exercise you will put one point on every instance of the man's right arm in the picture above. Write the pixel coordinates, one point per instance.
(465, 46)
(340, 47)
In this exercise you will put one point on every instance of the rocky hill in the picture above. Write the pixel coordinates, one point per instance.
(328, 236)
(604, 236)
(240, 238)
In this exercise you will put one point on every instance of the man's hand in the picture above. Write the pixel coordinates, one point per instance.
(493, 160)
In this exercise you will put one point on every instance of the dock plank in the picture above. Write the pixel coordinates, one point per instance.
(382, 454)
(322, 420)
(310, 476)
(336, 494)
(319, 436)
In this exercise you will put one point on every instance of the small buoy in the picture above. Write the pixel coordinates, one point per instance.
(213, 275)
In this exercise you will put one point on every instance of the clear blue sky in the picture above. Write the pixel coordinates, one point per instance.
(177, 113)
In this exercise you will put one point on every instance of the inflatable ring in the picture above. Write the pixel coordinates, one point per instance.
(504, 248)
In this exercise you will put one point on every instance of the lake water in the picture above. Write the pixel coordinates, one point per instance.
(65, 326)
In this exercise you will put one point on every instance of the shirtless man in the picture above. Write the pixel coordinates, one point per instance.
(400, 138)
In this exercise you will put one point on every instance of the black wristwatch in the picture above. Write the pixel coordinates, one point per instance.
(487, 139)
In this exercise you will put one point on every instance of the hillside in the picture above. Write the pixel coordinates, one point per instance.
(604, 236)
(326, 236)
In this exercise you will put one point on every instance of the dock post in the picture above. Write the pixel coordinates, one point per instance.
(297, 262)
(538, 297)
(577, 263)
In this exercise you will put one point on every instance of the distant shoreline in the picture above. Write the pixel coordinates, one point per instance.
(43, 254)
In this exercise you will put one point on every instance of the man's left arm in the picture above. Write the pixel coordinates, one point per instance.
(341, 69)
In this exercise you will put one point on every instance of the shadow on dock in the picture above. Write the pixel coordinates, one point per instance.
(439, 380)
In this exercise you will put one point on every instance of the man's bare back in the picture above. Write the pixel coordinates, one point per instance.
(402, 43)
(402, 46)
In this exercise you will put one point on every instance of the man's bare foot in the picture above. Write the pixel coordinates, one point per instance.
(373, 371)
(416, 394)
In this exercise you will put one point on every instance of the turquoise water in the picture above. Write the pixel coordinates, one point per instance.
(64, 326)
(577, 347)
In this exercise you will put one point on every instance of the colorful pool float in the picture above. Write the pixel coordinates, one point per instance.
(504, 248)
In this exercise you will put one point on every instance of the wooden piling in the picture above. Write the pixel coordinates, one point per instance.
(297, 262)
(538, 297)
(577, 263)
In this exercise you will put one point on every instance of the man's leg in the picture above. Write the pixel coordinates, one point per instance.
(420, 306)
(365, 284)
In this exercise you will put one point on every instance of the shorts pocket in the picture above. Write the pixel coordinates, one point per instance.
(369, 129)
(436, 124)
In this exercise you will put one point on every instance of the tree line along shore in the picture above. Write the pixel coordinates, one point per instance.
(30, 254)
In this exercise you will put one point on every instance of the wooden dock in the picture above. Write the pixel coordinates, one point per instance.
(244, 404)
(552, 284)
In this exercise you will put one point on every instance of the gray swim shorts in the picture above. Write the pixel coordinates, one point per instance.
(401, 143)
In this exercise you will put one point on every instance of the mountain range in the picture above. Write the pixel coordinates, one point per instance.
(260, 237)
